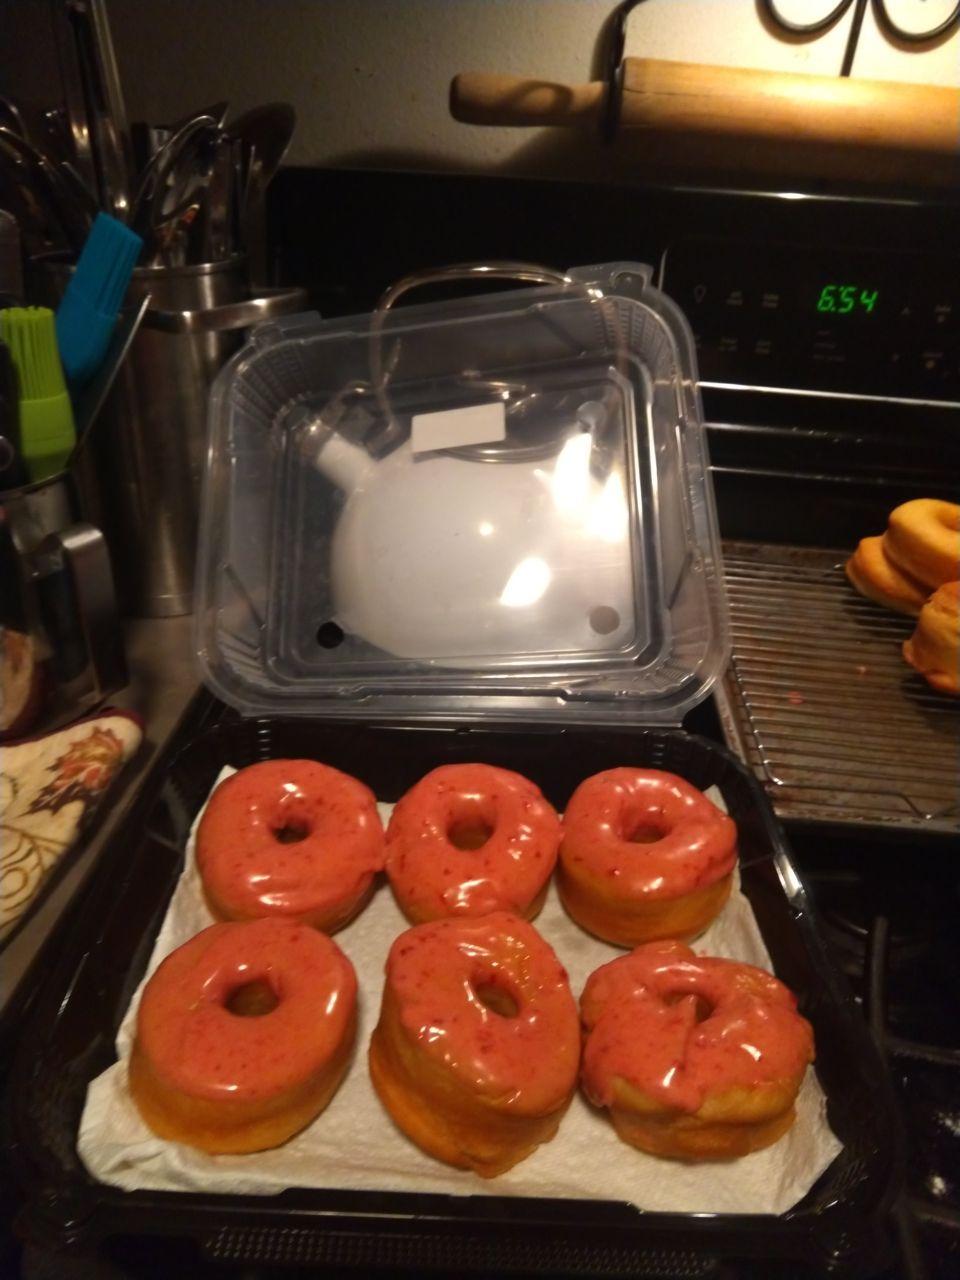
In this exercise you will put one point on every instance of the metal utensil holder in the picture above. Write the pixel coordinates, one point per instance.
(149, 449)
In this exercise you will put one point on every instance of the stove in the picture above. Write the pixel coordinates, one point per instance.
(889, 915)
(827, 325)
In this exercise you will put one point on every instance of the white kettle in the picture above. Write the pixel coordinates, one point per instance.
(443, 556)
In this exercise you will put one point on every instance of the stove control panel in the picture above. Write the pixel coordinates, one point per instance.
(825, 320)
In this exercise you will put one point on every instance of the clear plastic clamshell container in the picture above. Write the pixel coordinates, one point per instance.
(498, 506)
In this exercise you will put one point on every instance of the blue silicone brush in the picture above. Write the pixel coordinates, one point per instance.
(88, 311)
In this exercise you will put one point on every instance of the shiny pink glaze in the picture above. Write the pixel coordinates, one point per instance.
(527, 1062)
(198, 1047)
(433, 878)
(252, 873)
(640, 1012)
(693, 844)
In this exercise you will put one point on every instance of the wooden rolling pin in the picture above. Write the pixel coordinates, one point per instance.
(686, 98)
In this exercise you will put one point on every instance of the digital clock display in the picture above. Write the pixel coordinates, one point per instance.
(845, 299)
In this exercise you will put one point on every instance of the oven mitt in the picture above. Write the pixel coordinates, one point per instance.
(49, 789)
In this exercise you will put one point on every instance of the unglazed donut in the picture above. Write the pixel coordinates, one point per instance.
(923, 539)
(469, 839)
(243, 1035)
(695, 1058)
(290, 838)
(875, 576)
(475, 1055)
(934, 647)
(644, 856)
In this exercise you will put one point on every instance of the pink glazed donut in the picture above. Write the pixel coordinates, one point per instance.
(243, 1035)
(644, 856)
(292, 839)
(470, 839)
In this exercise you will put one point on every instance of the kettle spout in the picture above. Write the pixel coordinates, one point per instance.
(344, 464)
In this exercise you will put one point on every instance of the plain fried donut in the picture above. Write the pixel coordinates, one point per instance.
(476, 1052)
(243, 1035)
(934, 647)
(695, 1058)
(644, 856)
(469, 839)
(923, 539)
(875, 576)
(290, 838)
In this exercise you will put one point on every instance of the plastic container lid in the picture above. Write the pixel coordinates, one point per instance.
(494, 507)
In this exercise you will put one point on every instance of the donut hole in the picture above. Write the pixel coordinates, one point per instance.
(644, 830)
(292, 832)
(493, 995)
(702, 1007)
(252, 999)
(469, 833)
(472, 825)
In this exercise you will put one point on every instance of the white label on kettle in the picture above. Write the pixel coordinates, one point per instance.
(454, 428)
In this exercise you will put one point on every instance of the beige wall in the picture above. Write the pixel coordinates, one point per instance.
(369, 78)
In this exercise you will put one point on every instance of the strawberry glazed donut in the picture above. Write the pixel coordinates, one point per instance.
(695, 1058)
(469, 839)
(476, 1052)
(243, 1035)
(923, 540)
(644, 856)
(293, 839)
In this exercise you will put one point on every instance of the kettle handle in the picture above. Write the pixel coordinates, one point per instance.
(525, 272)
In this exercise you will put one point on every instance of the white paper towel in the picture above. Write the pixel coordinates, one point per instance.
(353, 1145)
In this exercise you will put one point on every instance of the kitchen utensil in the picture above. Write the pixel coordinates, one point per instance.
(87, 314)
(216, 243)
(76, 108)
(47, 432)
(264, 134)
(56, 189)
(106, 112)
(56, 134)
(11, 116)
(13, 473)
(217, 110)
(154, 179)
(11, 266)
(90, 399)
(731, 111)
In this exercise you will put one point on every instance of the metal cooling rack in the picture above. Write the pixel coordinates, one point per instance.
(820, 703)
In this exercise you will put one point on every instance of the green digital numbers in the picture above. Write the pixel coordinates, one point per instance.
(843, 299)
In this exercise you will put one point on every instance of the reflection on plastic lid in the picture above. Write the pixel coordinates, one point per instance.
(570, 482)
(527, 583)
(608, 515)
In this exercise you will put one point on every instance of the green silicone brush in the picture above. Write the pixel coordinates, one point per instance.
(47, 433)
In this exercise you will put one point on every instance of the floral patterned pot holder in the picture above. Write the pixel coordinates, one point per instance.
(49, 790)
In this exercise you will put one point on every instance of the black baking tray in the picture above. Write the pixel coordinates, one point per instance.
(837, 1229)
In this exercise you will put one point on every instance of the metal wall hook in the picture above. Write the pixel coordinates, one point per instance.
(613, 70)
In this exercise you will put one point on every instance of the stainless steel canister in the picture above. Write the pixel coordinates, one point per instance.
(149, 445)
